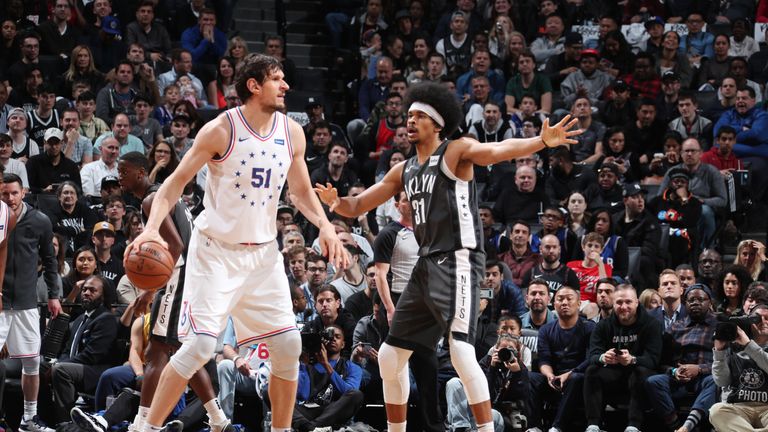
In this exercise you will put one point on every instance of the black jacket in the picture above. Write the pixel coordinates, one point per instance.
(642, 339)
(32, 239)
(643, 232)
(97, 340)
(42, 173)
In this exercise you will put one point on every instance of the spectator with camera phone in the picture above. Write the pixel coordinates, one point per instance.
(562, 348)
(740, 364)
(328, 392)
(692, 355)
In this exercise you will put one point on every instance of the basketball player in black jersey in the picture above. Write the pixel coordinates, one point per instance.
(442, 295)
(133, 169)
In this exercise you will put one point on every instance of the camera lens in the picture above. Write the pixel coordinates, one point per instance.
(505, 355)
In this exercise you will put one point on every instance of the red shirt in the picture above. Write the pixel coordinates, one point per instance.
(648, 88)
(588, 277)
(713, 157)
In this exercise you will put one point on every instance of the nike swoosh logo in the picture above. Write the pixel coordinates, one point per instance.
(241, 139)
(410, 167)
(441, 260)
(310, 159)
(577, 175)
(615, 203)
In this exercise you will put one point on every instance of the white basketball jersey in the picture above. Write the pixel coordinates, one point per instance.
(5, 220)
(243, 186)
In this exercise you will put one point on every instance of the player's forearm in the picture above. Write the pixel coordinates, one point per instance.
(164, 200)
(309, 205)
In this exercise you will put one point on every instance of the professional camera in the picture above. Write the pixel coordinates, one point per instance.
(507, 354)
(311, 341)
(726, 329)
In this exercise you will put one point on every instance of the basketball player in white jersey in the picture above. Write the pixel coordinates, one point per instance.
(234, 266)
(442, 294)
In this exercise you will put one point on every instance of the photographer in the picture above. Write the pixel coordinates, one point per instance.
(507, 375)
(328, 391)
(741, 366)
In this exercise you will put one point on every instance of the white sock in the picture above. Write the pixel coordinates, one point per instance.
(215, 413)
(485, 427)
(274, 429)
(140, 419)
(30, 409)
(395, 427)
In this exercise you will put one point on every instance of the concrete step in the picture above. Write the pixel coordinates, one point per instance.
(305, 15)
(307, 38)
(250, 13)
(307, 27)
(293, 5)
(297, 49)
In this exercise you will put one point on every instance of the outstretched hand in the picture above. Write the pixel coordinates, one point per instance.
(561, 133)
(328, 195)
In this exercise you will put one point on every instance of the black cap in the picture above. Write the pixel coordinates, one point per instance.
(679, 172)
(631, 189)
(654, 20)
(313, 101)
(670, 76)
(110, 179)
(573, 38)
(610, 166)
(620, 86)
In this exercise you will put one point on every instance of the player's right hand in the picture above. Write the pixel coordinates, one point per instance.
(147, 235)
(328, 195)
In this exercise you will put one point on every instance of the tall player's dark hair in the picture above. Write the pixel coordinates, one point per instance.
(441, 99)
(258, 67)
(136, 159)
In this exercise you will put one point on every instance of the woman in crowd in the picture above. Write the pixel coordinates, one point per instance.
(650, 299)
(616, 57)
(670, 59)
(163, 160)
(416, 68)
(82, 68)
(72, 218)
(83, 266)
(516, 45)
(238, 49)
(751, 254)
(577, 217)
(499, 35)
(614, 149)
(225, 79)
(615, 251)
(715, 69)
(730, 286)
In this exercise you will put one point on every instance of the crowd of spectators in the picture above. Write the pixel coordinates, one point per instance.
(606, 261)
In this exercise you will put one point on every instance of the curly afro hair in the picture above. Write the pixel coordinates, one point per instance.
(441, 99)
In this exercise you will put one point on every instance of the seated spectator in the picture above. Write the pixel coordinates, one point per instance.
(551, 267)
(225, 79)
(481, 66)
(330, 312)
(22, 146)
(751, 254)
(495, 241)
(738, 71)
(182, 64)
(205, 41)
(739, 366)
(677, 206)
(697, 45)
(119, 96)
(645, 134)
(560, 66)
(88, 351)
(521, 201)
(528, 81)
(72, 217)
(643, 79)
(180, 139)
(82, 68)
(44, 116)
(456, 47)
(750, 121)
(616, 56)
(50, 169)
(726, 98)
(537, 299)
(507, 297)
(148, 32)
(527, 108)
(520, 258)
(710, 265)
(613, 149)
(690, 124)
(662, 162)
(121, 127)
(77, 148)
(163, 112)
(592, 131)
(667, 103)
(552, 220)
(577, 218)
(670, 59)
(551, 43)
(650, 299)
(742, 44)
(686, 275)
(690, 371)
(360, 303)
(274, 46)
(729, 288)
(712, 72)
(615, 251)
(240, 371)
(721, 155)
(83, 267)
(373, 90)
(473, 106)
(566, 176)
(624, 351)
(91, 127)
(353, 279)
(162, 162)
(144, 127)
(589, 271)
(639, 228)
(92, 174)
(672, 310)
(337, 172)
(17, 73)
(606, 194)
(706, 186)
(605, 289)
(10, 165)
(563, 346)
(316, 406)
(588, 81)
(618, 108)
(107, 44)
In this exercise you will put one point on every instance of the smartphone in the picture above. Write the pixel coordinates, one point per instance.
(658, 155)
(366, 346)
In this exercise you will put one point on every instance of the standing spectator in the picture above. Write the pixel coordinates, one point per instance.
(205, 41)
(29, 242)
(50, 169)
(624, 351)
(119, 96)
(152, 35)
(91, 174)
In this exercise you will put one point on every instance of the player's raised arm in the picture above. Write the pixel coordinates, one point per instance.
(489, 153)
(371, 198)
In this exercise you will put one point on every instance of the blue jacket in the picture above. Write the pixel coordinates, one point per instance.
(509, 298)
(754, 140)
(498, 84)
(341, 384)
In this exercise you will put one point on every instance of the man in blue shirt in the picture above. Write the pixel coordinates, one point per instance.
(328, 393)
(205, 41)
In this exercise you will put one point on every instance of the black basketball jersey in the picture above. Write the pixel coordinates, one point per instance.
(445, 215)
(182, 219)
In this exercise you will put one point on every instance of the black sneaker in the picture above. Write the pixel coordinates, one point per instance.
(34, 425)
(87, 422)
(173, 426)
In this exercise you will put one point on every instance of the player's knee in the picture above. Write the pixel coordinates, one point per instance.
(193, 355)
(463, 360)
(30, 365)
(284, 352)
(390, 363)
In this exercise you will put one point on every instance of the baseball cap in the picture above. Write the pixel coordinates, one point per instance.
(459, 13)
(631, 189)
(670, 75)
(285, 208)
(589, 52)
(354, 249)
(110, 179)
(573, 38)
(653, 20)
(53, 133)
(102, 226)
(620, 85)
(679, 172)
(610, 166)
(699, 286)
(110, 25)
(313, 101)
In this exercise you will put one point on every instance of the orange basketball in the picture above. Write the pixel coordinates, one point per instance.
(150, 267)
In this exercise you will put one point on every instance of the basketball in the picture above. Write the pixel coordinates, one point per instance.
(150, 267)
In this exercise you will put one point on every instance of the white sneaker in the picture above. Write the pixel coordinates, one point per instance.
(593, 428)
(554, 429)
(631, 429)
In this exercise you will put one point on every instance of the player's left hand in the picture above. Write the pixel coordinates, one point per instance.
(331, 247)
(561, 133)
(328, 195)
